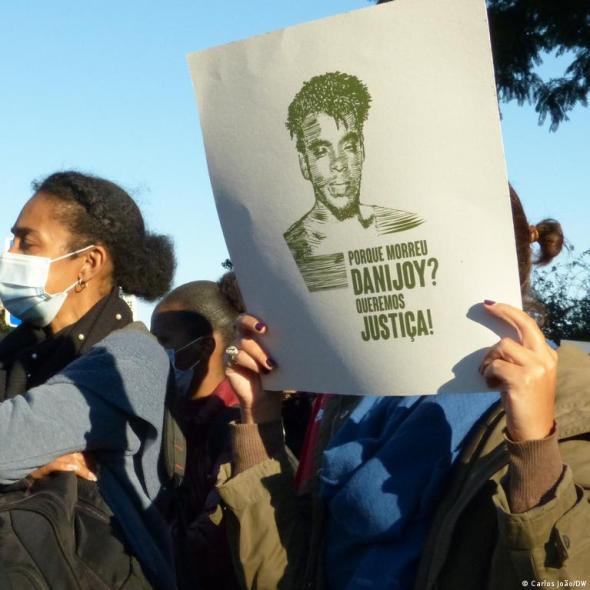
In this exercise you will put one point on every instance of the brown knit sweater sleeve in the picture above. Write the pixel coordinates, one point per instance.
(254, 443)
(534, 471)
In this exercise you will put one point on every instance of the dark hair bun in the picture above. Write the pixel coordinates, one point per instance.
(550, 240)
(151, 272)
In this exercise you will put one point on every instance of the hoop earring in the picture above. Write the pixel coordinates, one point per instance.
(80, 286)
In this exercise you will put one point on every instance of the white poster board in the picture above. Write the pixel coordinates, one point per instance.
(359, 176)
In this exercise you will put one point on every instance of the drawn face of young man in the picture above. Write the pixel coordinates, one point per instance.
(333, 161)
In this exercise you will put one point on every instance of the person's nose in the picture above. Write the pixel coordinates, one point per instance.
(339, 163)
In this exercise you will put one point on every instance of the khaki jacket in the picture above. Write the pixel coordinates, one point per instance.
(475, 541)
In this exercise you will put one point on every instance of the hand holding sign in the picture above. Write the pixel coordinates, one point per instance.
(526, 373)
(244, 370)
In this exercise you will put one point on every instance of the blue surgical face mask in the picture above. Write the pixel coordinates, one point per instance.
(22, 287)
(183, 380)
(184, 377)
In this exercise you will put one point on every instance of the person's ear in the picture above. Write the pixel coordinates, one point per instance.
(304, 166)
(199, 351)
(95, 263)
(208, 346)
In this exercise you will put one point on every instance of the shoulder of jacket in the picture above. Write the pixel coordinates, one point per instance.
(133, 340)
(138, 327)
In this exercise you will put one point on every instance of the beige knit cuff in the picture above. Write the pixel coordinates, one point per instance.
(254, 443)
(535, 469)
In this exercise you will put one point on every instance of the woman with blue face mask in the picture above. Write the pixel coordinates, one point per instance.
(77, 375)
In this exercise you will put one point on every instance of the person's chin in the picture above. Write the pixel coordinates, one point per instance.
(343, 203)
(342, 207)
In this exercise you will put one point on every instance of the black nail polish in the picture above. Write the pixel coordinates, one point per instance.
(489, 302)
(271, 363)
(260, 326)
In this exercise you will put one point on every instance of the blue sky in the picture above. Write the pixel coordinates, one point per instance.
(104, 88)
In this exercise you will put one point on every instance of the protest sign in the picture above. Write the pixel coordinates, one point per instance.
(359, 176)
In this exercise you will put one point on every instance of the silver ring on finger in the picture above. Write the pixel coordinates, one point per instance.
(231, 352)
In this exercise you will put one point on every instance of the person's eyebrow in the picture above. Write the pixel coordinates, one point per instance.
(350, 136)
(19, 231)
(319, 143)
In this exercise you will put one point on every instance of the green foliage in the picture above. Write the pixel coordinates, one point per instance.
(564, 291)
(522, 32)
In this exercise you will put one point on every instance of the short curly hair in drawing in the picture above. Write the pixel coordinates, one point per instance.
(334, 93)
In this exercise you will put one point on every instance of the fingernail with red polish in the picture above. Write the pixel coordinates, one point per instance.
(260, 327)
(489, 302)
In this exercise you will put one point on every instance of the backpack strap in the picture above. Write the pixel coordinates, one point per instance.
(173, 453)
(173, 440)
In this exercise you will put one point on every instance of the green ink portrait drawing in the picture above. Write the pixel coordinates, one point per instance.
(326, 119)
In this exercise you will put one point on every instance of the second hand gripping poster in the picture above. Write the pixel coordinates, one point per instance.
(359, 176)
